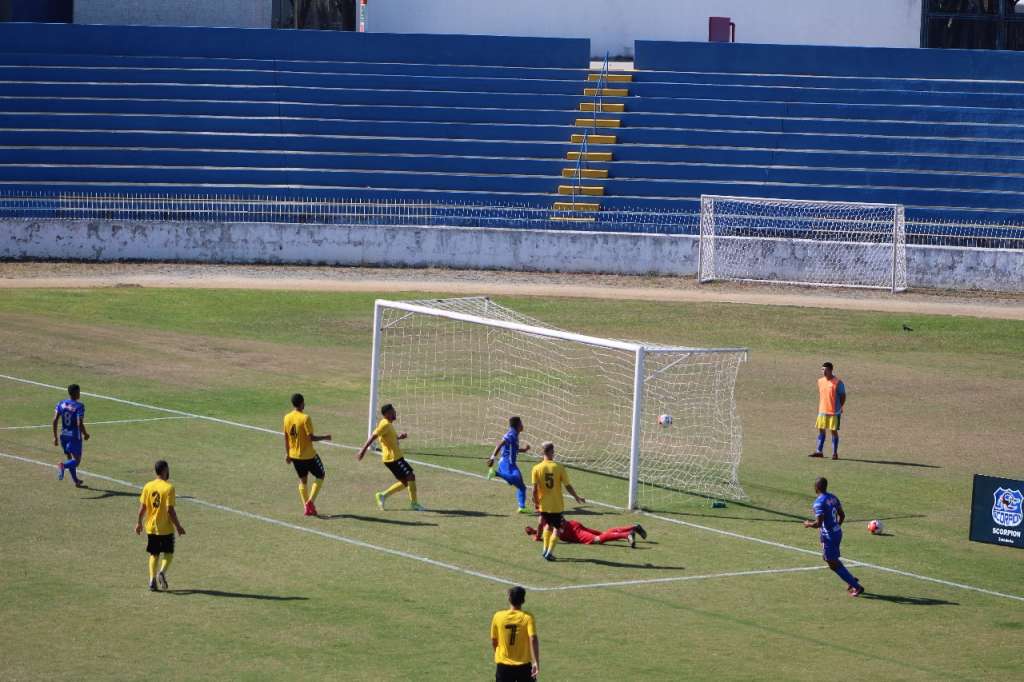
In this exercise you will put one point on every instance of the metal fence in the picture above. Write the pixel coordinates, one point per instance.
(981, 233)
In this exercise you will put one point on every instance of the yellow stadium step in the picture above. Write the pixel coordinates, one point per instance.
(600, 122)
(589, 156)
(604, 106)
(574, 218)
(612, 77)
(590, 191)
(606, 92)
(576, 206)
(596, 173)
(577, 138)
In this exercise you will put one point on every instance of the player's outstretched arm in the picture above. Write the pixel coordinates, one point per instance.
(366, 446)
(174, 519)
(497, 449)
(572, 491)
(816, 523)
(317, 439)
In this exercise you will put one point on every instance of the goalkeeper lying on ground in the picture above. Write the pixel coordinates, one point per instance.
(574, 531)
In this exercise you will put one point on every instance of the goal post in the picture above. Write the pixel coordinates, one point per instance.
(794, 241)
(456, 369)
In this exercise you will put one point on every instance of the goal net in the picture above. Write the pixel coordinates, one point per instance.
(823, 243)
(456, 369)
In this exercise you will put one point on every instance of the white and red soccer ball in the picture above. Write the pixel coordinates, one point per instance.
(665, 421)
(875, 527)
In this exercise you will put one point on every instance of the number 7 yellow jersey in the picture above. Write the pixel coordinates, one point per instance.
(512, 629)
(548, 479)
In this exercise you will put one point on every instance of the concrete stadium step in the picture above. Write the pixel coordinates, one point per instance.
(598, 123)
(367, 68)
(588, 156)
(602, 107)
(577, 138)
(593, 173)
(249, 79)
(576, 206)
(584, 190)
(409, 180)
(610, 77)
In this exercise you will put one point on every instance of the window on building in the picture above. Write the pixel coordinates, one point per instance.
(338, 15)
(973, 24)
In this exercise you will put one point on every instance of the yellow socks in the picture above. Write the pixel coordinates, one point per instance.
(168, 558)
(315, 489)
(394, 489)
(412, 490)
(550, 539)
(153, 558)
(302, 492)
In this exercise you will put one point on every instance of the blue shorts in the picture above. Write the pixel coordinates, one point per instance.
(510, 474)
(830, 546)
(72, 446)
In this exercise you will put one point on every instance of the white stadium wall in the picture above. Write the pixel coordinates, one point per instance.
(227, 13)
(468, 248)
(613, 25)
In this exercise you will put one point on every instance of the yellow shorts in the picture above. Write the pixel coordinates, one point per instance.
(829, 422)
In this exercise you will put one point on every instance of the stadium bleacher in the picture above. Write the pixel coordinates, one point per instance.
(491, 120)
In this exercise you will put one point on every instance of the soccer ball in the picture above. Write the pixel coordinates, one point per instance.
(875, 527)
(665, 420)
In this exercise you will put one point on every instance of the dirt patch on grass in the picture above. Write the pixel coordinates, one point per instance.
(488, 283)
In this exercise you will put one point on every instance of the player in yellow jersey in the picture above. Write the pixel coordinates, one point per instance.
(515, 643)
(298, 450)
(391, 455)
(548, 478)
(156, 507)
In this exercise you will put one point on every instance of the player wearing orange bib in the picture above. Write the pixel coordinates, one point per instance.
(514, 640)
(156, 506)
(831, 399)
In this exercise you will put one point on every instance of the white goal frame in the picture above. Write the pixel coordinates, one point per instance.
(639, 351)
(709, 267)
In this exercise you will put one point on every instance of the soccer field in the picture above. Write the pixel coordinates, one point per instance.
(202, 379)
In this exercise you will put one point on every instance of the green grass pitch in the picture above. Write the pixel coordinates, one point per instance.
(259, 592)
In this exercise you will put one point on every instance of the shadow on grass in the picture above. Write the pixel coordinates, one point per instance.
(621, 564)
(890, 462)
(907, 601)
(462, 512)
(374, 519)
(104, 493)
(234, 595)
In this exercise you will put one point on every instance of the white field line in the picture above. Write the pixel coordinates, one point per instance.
(292, 526)
(91, 424)
(680, 578)
(689, 524)
(423, 559)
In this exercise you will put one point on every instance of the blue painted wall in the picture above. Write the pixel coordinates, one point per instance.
(828, 61)
(290, 44)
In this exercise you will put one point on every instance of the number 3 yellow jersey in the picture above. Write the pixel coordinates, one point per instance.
(158, 499)
(549, 478)
(513, 629)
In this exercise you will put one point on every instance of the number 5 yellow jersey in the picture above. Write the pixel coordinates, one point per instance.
(548, 479)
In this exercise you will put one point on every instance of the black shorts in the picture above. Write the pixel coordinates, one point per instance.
(513, 673)
(400, 468)
(160, 544)
(554, 520)
(309, 466)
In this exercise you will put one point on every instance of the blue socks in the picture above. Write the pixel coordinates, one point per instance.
(845, 574)
(521, 496)
(835, 443)
(821, 442)
(71, 466)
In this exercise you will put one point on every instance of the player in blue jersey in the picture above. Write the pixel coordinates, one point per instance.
(507, 469)
(829, 517)
(69, 415)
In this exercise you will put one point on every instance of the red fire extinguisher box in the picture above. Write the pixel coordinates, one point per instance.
(721, 30)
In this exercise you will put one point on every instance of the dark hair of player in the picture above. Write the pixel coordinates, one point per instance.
(513, 422)
(297, 399)
(827, 365)
(386, 408)
(74, 390)
(516, 596)
(821, 484)
(160, 466)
